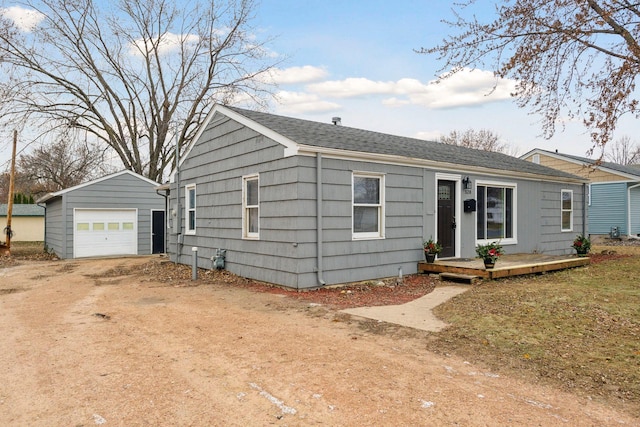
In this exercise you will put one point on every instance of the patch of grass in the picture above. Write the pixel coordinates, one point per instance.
(579, 329)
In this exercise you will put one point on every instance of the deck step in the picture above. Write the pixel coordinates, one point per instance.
(460, 278)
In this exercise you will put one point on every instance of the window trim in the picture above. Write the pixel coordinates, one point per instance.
(563, 210)
(246, 234)
(188, 210)
(514, 215)
(380, 233)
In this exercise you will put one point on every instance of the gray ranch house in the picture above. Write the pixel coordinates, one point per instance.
(304, 204)
(119, 214)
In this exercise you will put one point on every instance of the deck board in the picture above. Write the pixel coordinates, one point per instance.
(507, 265)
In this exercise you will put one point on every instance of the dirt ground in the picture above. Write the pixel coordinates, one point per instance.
(115, 342)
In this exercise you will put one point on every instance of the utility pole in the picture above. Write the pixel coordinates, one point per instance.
(12, 175)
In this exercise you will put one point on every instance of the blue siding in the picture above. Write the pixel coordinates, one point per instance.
(608, 208)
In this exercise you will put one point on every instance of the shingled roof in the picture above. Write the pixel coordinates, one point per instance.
(326, 135)
(22, 210)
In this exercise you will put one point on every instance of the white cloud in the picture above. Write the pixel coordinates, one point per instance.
(168, 43)
(351, 87)
(299, 103)
(467, 87)
(25, 19)
(294, 75)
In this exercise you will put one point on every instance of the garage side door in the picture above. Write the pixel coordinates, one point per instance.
(103, 232)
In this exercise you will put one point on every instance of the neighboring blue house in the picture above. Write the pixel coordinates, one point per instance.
(303, 204)
(614, 191)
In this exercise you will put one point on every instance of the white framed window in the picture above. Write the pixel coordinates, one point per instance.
(368, 205)
(251, 206)
(496, 212)
(190, 208)
(566, 210)
(536, 158)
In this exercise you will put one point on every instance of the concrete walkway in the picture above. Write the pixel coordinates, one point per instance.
(415, 314)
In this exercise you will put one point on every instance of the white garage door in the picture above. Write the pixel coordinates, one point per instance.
(102, 232)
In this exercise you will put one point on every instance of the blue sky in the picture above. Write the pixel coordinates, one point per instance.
(357, 60)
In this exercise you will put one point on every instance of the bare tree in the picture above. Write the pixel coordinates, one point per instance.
(569, 58)
(60, 165)
(482, 139)
(623, 152)
(138, 75)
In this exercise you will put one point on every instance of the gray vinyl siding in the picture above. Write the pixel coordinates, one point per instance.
(538, 218)
(608, 208)
(286, 252)
(118, 192)
(225, 153)
(546, 235)
(347, 260)
(54, 228)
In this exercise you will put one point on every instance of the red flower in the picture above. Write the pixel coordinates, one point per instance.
(577, 243)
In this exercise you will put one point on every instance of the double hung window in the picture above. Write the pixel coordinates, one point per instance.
(190, 208)
(368, 206)
(251, 207)
(566, 210)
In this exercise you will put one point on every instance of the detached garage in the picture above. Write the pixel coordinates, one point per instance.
(119, 214)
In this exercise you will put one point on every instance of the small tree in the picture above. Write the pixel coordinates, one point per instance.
(23, 199)
(623, 152)
(482, 139)
(60, 165)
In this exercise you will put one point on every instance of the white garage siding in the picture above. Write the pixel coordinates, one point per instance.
(104, 232)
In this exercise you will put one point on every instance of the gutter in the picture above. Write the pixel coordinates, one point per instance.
(319, 236)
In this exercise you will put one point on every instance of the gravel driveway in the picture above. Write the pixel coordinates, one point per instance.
(102, 342)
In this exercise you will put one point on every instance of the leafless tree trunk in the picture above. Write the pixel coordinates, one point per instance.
(137, 75)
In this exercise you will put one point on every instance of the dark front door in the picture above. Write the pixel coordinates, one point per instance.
(157, 232)
(446, 217)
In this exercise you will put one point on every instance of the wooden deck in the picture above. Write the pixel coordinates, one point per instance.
(507, 265)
